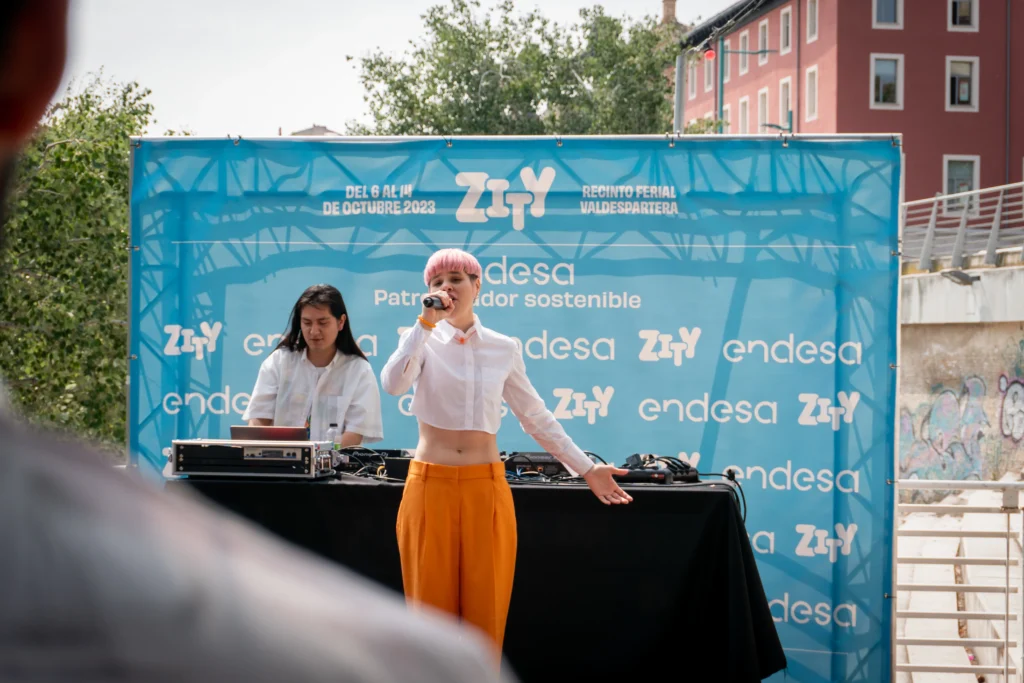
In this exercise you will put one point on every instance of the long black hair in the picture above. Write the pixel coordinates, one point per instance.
(328, 297)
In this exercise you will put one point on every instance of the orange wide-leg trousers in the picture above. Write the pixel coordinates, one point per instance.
(457, 542)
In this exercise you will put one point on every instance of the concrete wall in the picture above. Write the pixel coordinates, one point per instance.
(961, 400)
(930, 298)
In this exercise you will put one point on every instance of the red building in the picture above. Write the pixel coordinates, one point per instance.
(941, 72)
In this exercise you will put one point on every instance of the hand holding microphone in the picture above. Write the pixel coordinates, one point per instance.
(437, 306)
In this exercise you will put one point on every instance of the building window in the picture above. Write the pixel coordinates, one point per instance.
(811, 88)
(726, 119)
(762, 109)
(692, 80)
(963, 15)
(886, 81)
(726, 58)
(812, 20)
(785, 100)
(960, 173)
(887, 14)
(744, 49)
(709, 75)
(744, 115)
(762, 42)
(786, 31)
(962, 79)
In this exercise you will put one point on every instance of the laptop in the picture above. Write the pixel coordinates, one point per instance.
(274, 433)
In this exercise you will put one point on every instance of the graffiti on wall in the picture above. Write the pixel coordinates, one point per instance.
(965, 428)
(1012, 408)
(943, 439)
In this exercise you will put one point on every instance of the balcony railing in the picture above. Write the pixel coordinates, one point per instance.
(964, 230)
(957, 599)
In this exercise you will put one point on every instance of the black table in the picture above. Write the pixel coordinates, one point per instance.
(667, 583)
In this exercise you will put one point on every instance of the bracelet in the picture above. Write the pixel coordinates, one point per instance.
(425, 323)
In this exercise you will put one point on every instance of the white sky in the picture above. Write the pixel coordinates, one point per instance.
(247, 67)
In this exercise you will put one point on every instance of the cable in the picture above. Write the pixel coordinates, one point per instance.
(676, 465)
(731, 476)
(673, 464)
(520, 474)
(595, 455)
(348, 449)
(528, 477)
(359, 460)
(520, 455)
(370, 475)
(358, 448)
(738, 19)
(752, 7)
(364, 466)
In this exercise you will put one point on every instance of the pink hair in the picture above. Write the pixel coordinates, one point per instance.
(448, 260)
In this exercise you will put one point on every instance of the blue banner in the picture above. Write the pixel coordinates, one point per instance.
(731, 302)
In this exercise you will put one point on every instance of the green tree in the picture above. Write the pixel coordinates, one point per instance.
(502, 73)
(63, 280)
(703, 127)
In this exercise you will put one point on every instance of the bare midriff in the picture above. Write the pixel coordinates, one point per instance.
(455, 447)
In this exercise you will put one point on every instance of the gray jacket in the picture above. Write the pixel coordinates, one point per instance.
(106, 578)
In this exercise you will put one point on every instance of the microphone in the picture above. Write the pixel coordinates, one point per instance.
(433, 302)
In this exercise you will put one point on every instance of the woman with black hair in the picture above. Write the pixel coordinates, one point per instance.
(318, 375)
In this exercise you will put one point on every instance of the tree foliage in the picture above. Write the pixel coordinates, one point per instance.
(705, 126)
(503, 73)
(64, 274)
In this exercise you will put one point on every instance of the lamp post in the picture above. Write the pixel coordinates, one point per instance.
(677, 118)
(788, 128)
(680, 87)
(711, 54)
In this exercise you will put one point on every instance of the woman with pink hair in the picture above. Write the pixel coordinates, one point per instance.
(456, 524)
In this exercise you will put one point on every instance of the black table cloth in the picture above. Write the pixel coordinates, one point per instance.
(665, 584)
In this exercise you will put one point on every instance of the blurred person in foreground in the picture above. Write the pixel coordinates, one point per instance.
(106, 579)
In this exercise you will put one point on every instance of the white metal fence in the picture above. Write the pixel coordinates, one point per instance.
(980, 548)
(967, 229)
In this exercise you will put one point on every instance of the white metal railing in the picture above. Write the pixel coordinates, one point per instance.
(1008, 507)
(981, 223)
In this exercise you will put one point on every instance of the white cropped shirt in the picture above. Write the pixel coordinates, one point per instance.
(459, 380)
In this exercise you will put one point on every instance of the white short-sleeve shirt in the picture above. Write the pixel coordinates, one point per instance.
(290, 389)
